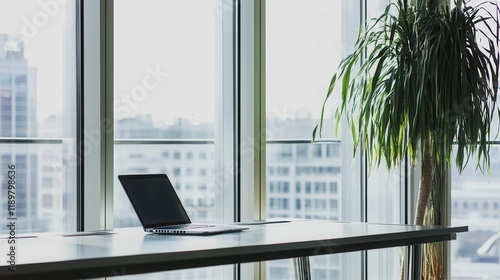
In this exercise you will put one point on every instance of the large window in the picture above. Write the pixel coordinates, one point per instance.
(305, 41)
(176, 84)
(475, 201)
(168, 102)
(173, 105)
(38, 113)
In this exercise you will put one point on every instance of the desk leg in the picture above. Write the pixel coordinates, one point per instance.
(302, 268)
(413, 263)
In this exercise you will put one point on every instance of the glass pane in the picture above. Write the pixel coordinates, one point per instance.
(38, 114)
(168, 94)
(303, 49)
(171, 105)
(384, 197)
(384, 206)
(304, 44)
(476, 202)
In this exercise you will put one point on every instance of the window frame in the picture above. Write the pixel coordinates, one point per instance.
(69, 137)
(96, 157)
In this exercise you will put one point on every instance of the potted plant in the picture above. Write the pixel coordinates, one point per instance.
(423, 79)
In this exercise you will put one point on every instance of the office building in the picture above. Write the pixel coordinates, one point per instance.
(18, 120)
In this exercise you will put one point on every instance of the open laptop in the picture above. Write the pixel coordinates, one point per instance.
(160, 209)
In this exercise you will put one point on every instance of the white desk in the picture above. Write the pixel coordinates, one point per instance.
(133, 251)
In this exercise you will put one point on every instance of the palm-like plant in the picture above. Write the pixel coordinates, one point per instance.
(423, 77)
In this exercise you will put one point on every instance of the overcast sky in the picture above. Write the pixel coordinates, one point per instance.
(179, 38)
(43, 46)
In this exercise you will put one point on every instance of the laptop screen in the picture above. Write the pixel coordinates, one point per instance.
(154, 200)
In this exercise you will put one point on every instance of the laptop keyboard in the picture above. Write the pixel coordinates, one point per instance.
(190, 226)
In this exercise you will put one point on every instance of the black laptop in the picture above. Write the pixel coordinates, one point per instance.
(160, 209)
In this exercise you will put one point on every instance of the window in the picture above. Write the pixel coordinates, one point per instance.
(308, 204)
(271, 187)
(308, 187)
(284, 187)
(302, 151)
(284, 171)
(203, 172)
(159, 71)
(320, 187)
(177, 171)
(173, 96)
(332, 151)
(310, 32)
(47, 201)
(333, 204)
(38, 103)
(478, 194)
(202, 155)
(320, 205)
(333, 187)
(270, 170)
(317, 152)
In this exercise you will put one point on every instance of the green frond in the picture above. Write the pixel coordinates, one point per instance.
(427, 72)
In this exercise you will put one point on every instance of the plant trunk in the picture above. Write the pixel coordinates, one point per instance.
(426, 178)
(435, 254)
(424, 191)
(429, 212)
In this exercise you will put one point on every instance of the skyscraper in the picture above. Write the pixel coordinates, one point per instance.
(17, 89)
(18, 119)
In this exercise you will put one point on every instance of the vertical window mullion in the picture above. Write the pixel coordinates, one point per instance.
(79, 117)
(225, 125)
(107, 81)
(252, 145)
(96, 130)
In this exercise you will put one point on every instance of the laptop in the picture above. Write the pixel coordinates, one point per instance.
(160, 209)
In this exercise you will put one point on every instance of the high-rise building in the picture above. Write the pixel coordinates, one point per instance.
(18, 120)
(17, 89)
(41, 194)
